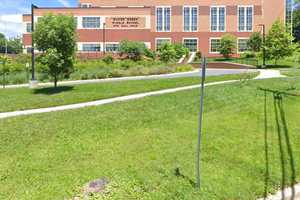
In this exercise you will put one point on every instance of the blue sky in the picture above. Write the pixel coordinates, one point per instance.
(11, 12)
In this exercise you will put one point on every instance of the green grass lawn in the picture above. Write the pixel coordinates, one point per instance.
(24, 98)
(139, 144)
(291, 72)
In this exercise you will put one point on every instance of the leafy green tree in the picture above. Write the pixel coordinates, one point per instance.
(132, 49)
(4, 61)
(15, 45)
(255, 42)
(227, 45)
(55, 37)
(167, 52)
(279, 42)
(2, 43)
(55, 63)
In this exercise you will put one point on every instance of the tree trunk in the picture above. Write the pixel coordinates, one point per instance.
(55, 81)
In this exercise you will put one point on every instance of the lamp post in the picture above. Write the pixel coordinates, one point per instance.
(33, 81)
(264, 40)
(103, 39)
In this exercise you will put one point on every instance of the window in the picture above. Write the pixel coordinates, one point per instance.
(215, 45)
(112, 47)
(190, 14)
(28, 27)
(161, 41)
(91, 22)
(163, 19)
(245, 17)
(191, 44)
(28, 49)
(217, 18)
(242, 45)
(91, 47)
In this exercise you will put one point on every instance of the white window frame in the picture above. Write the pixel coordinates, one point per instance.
(81, 21)
(106, 43)
(210, 39)
(191, 38)
(170, 39)
(190, 25)
(80, 47)
(218, 18)
(163, 19)
(237, 44)
(245, 18)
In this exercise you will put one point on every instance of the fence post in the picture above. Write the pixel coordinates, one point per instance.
(203, 74)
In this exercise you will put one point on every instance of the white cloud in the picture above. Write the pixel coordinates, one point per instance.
(11, 25)
(65, 3)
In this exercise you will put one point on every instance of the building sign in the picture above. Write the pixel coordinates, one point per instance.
(125, 22)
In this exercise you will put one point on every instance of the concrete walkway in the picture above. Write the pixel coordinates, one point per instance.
(287, 194)
(269, 73)
(106, 101)
(195, 73)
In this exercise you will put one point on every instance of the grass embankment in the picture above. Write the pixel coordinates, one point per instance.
(291, 72)
(24, 98)
(138, 145)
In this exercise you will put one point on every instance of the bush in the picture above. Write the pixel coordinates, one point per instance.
(180, 50)
(198, 55)
(108, 59)
(133, 50)
(248, 54)
(150, 54)
(167, 52)
(227, 45)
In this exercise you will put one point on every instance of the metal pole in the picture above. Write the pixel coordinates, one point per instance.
(264, 49)
(104, 39)
(32, 44)
(203, 73)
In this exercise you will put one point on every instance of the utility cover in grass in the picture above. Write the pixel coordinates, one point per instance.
(95, 186)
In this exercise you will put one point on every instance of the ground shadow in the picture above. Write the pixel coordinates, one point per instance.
(179, 174)
(52, 90)
(284, 143)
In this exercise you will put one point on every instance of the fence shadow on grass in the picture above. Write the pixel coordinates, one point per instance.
(52, 90)
(284, 144)
(179, 174)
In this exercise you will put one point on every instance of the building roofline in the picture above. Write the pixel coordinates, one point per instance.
(98, 7)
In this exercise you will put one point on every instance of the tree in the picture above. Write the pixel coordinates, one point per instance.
(255, 42)
(133, 50)
(55, 63)
(15, 45)
(4, 61)
(55, 37)
(227, 45)
(279, 42)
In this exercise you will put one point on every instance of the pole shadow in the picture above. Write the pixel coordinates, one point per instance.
(284, 143)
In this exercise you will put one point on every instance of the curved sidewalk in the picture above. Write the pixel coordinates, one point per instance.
(106, 101)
